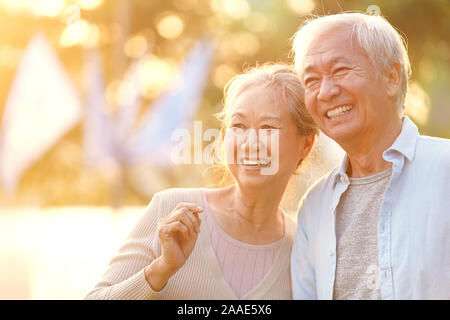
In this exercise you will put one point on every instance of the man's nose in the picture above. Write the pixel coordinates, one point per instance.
(328, 90)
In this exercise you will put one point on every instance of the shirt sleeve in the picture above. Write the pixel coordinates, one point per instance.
(302, 267)
(124, 278)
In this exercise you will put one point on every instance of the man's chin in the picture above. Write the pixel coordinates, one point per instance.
(341, 130)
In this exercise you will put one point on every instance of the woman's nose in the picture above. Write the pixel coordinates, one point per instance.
(251, 142)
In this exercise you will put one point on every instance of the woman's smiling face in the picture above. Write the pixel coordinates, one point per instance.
(262, 142)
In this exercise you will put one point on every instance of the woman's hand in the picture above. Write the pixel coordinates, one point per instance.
(178, 233)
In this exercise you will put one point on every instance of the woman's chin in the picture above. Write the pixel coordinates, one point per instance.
(252, 178)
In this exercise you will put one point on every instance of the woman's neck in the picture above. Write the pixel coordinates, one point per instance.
(257, 207)
(250, 215)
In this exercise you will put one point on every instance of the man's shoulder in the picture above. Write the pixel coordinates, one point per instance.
(434, 142)
(433, 148)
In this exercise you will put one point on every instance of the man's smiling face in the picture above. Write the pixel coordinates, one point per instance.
(342, 91)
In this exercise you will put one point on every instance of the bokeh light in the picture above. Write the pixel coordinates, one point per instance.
(48, 8)
(154, 74)
(256, 22)
(246, 44)
(301, 7)
(79, 32)
(417, 103)
(136, 46)
(89, 4)
(235, 9)
(171, 26)
(222, 74)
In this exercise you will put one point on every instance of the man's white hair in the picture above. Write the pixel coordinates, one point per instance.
(381, 42)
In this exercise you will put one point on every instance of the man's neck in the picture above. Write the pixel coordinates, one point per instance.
(365, 153)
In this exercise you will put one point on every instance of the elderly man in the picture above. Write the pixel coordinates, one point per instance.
(378, 225)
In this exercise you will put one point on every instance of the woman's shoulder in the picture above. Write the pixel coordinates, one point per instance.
(177, 195)
(163, 202)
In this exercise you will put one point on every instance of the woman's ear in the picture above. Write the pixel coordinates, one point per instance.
(393, 79)
(306, 145)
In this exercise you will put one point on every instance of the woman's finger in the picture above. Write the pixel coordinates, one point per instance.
(195, 220)
(191, 206)
(184, 218)
(168, 231)
(175, 215)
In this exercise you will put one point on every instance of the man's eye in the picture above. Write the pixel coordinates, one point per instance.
(341, 70)
(238, 126)
(310, 81)
(267, 127)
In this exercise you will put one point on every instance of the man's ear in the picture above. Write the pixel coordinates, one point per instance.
(393, 79)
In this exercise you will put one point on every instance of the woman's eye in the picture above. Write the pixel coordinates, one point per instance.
(267, 127)
(238, 126)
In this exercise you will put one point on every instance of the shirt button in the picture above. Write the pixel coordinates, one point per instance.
(331, 253)
(331, 208)
(342, 179)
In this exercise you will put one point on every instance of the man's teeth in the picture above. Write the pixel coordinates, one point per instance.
(256, 162)
(338, 111)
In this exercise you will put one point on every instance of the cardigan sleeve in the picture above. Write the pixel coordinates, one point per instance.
(124, 278)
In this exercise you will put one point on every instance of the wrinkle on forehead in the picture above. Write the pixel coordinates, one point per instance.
(317, 50)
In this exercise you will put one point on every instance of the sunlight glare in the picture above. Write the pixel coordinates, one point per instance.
(89, 4)
(418, 103)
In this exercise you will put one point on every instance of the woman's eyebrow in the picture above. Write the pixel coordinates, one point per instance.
(275, 118)
(238, 114)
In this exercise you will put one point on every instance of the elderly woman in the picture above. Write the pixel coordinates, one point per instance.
(232, 242)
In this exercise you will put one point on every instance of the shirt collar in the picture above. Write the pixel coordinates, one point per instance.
(405, 144)
(340, 171)
(406, 140)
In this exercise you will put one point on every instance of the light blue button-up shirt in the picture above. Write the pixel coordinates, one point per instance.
(413, 224)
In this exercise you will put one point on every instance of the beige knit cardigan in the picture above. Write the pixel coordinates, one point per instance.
(200, 278)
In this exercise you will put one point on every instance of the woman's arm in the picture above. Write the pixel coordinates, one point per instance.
(136, 272)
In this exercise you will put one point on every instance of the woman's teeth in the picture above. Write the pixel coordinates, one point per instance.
(338, 111)
(256, 162)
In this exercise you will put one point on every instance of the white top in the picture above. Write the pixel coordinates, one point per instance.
(201, 276)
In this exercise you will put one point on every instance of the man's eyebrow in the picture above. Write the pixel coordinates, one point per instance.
(310, 67)
(339, 59)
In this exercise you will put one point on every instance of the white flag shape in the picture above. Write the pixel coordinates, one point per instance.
(174, 109)
(128, 111)
(41, 107)
(98, 135)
